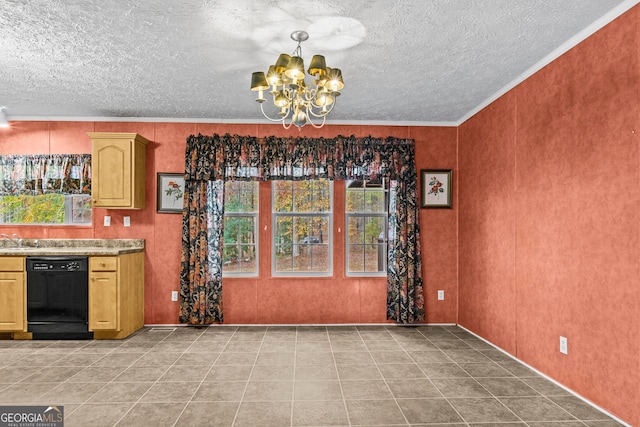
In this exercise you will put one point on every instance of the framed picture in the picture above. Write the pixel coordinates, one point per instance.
(435, 188)
(170, 192)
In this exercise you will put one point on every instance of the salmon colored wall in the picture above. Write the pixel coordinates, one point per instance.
(438, 227)
(338, 299)
(486, 224)
(549, 219)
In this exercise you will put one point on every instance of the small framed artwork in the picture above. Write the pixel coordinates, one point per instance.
(435, 188)
(170, 192)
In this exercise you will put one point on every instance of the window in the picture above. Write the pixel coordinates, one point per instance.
(302, 217)
(46, 209)
(367, 224)
(240, 251)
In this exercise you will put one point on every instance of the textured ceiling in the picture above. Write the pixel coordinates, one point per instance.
(403, 61)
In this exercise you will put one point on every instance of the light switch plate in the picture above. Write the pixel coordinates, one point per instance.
(127, 221)
(564, 346)
(107, 221)
(174, 295)
(441, 295)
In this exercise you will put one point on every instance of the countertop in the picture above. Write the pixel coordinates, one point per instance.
(65, 247)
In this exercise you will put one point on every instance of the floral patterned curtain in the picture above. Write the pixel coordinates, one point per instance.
(405, 299)
(210, 160)
(45, 173)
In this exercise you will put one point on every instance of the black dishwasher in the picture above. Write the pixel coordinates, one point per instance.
(58, 298)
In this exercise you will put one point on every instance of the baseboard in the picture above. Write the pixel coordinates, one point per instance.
(584, 399)
(177, 325)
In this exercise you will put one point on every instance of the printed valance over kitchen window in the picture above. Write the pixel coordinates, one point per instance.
(45, 174)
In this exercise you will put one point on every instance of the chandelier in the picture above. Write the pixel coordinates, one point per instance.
(297, 103)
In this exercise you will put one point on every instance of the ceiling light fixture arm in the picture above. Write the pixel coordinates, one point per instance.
(298, 103)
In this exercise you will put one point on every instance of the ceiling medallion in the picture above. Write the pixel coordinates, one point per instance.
(297, 103)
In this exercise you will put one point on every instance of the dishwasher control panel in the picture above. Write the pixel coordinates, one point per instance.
(57, 264)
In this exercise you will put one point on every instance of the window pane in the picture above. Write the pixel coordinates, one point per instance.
(374, 229)
(240, 250)
(302, 259)
(366, 196)
(302, 200)
(367, 218)
(46, 209)
(301, 244)
(306, 196)
(355, 200)
(284, 259)
(282, 196)
(319, 255)
(374, 200)
(285, 250)
(241, 196)
(356, 229)
(321, 195)
(355, 258)
(375, 258)
(302, 226)
(81, 212)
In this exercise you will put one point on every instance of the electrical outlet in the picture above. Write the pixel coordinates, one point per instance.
(440, 295)
(174, 295)
(564, 349)
(127, 221)
(107, 221)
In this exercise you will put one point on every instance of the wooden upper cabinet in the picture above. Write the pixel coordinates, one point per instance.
(118, 170)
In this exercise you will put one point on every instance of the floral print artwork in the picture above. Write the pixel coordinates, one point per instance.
(436, 186)
(173, 189)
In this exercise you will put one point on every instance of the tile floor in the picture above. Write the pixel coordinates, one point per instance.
(286, 376)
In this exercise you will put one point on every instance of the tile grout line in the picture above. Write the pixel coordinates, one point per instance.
(154, 383)
(33, 352)
(83, 368)
(477, 382)
(335, 365)
(246, 386)
(204, 377)
(375, 362)
(539, 394)
(429, 379)
(295, 357)
(67, 381)
(519, 379)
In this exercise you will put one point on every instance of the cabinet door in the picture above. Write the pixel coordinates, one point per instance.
(12, 303)
(103, 301)
(112, 169)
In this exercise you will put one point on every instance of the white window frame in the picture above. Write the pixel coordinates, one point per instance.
(68, 214)
(255, 216)
(357, 214)
(329, 217)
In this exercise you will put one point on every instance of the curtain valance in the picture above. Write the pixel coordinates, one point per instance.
(45, 173)
(234, 157)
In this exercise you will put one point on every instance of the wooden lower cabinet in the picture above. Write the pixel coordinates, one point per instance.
(12, 295)
(103, 301)
(116, 295)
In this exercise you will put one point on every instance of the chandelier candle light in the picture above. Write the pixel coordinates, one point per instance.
(290, 93)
